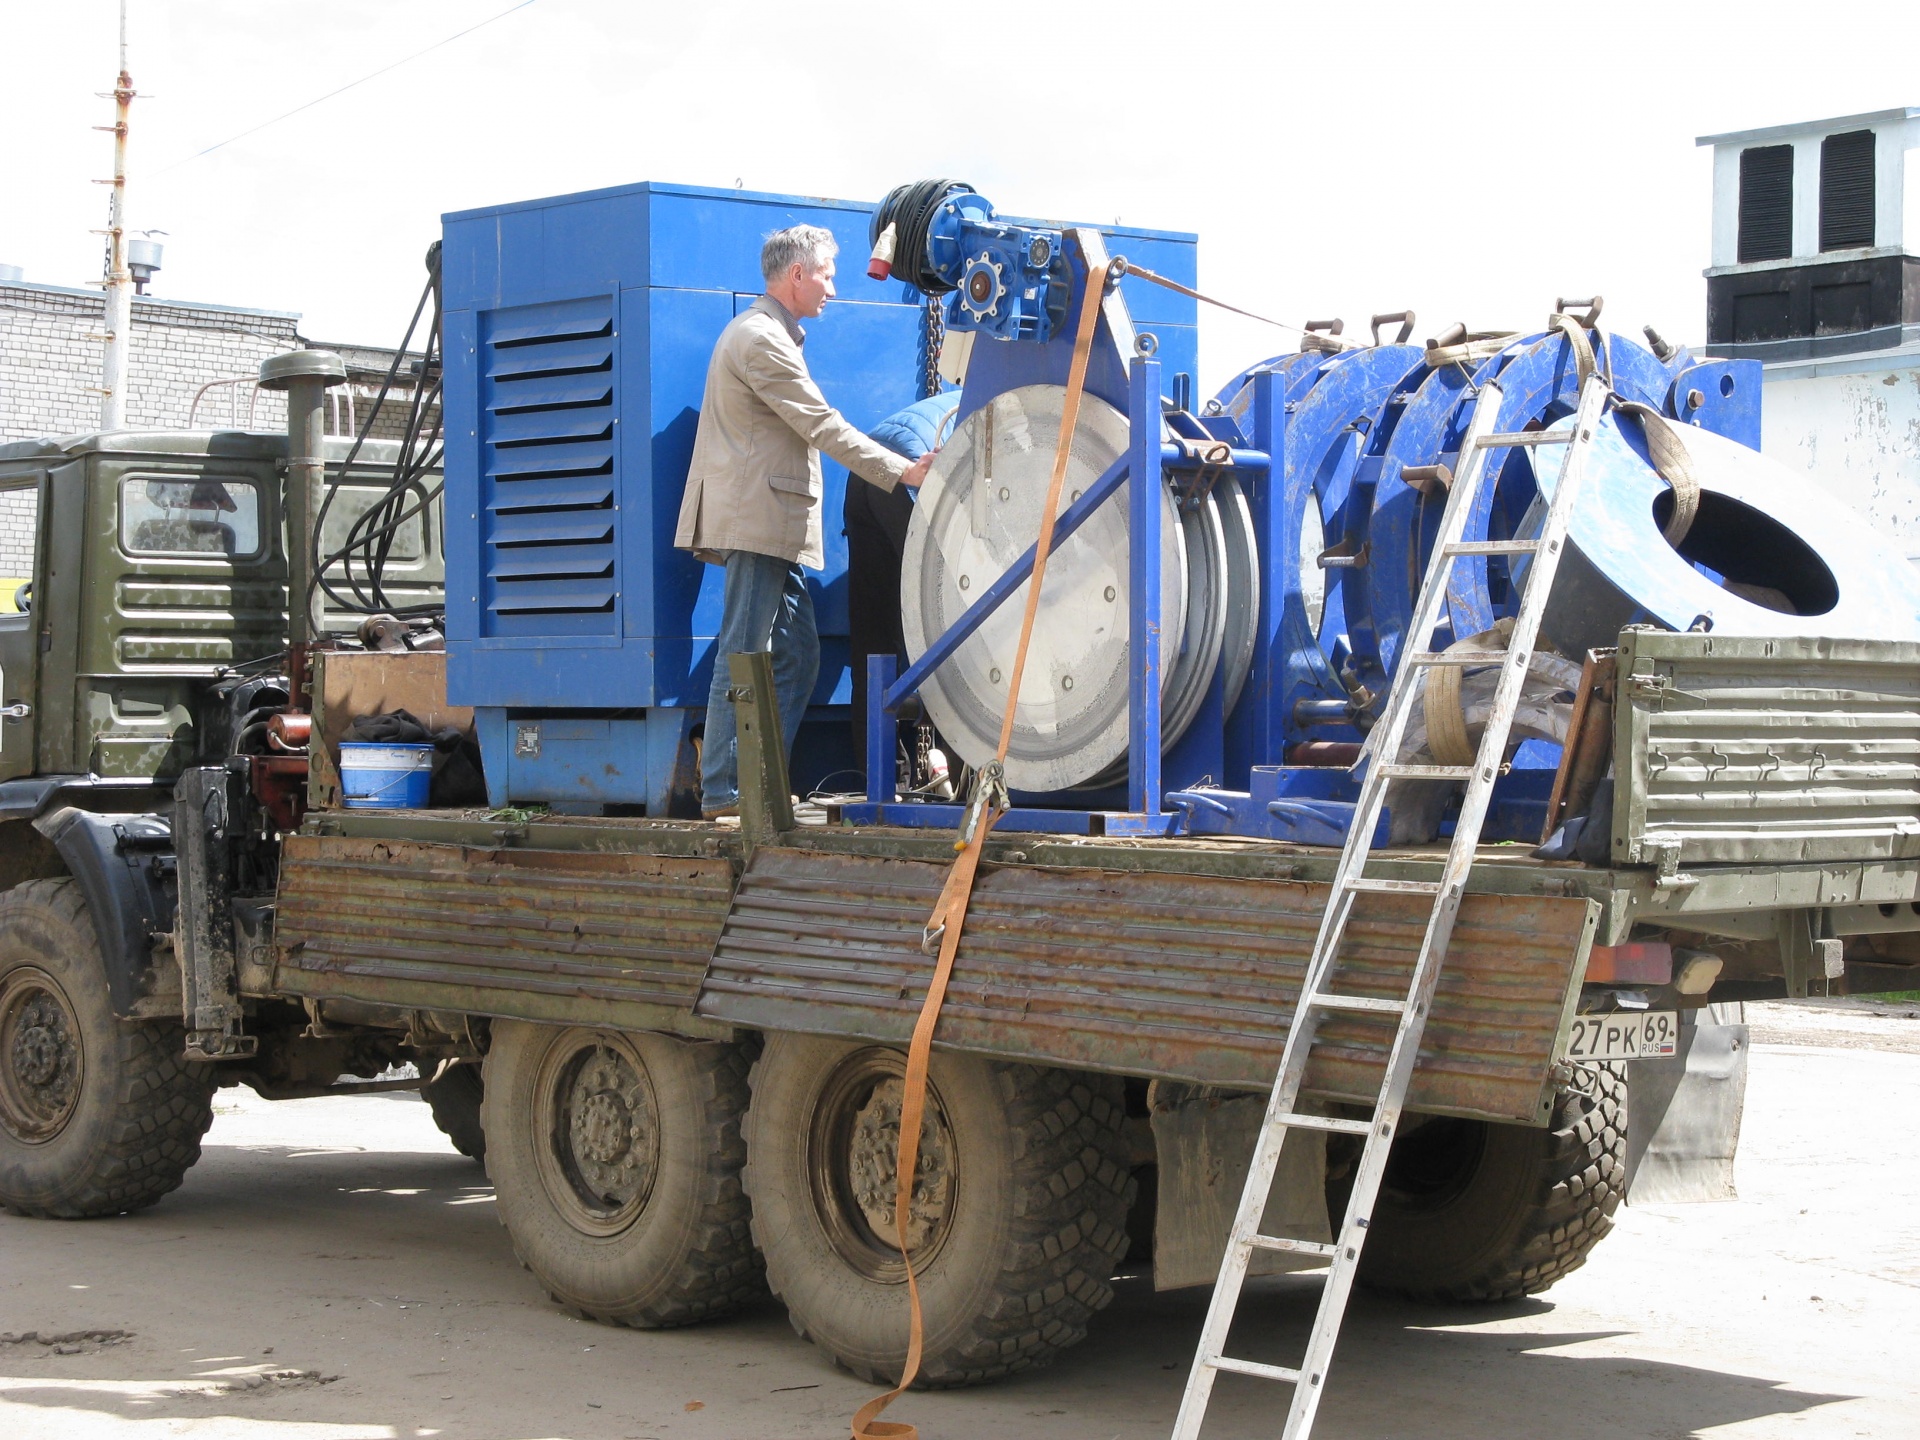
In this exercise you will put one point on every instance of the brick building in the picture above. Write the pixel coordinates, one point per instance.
(191, 367)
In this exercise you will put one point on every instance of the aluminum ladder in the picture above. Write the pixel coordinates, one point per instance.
(1350, 879)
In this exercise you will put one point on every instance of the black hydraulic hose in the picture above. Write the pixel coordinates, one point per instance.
(368, 533)
(910, 210)
(372, 533)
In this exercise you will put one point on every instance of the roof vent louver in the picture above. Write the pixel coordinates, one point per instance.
(1766, 203)
(1846, 191)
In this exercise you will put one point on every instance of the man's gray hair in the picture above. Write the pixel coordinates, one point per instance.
(805, 245)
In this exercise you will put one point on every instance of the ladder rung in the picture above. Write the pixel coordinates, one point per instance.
(1293, 1247)
(1525, 437)
(1457, 657)
(1255, 1368)
(1357, 1002)
(1395, 887)
(1326, 1122)
(1427, 772)
(1493, 547)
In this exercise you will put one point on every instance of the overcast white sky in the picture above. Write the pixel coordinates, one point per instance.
(1472, 161)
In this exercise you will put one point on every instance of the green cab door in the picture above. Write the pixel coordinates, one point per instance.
(20, 508)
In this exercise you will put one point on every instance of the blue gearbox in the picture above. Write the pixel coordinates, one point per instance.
(1009, 281)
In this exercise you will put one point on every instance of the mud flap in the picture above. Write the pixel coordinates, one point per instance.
(1683, 1113)
(1204, 1138)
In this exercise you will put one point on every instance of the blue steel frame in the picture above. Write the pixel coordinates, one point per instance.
(1145, 814)
(1306, 448)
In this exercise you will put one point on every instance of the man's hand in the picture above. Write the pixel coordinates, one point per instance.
(917, 472)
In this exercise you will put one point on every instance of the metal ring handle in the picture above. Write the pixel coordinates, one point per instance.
(1405, 317)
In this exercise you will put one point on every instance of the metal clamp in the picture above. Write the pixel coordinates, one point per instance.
(1667, 872)
(1320, 337)
(1592, 305)
(989, 789)
(1344, 557)
(1405, 317)
(1428, 479)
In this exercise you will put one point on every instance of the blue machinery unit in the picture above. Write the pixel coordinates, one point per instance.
(578, 333)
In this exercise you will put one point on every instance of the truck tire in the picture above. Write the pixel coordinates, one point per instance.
(98, 1115)
(455, 1100)
(1020, 1206)
(615, 1160)
(1471, 1211)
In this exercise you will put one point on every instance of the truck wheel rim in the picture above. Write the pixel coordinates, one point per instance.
(853, 1147)
(41, 1060)
(1432, 1165)
(600, 1152)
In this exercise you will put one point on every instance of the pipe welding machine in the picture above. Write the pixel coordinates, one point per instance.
(1230, 583)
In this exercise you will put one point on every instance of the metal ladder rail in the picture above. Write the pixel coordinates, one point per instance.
(1315, 999)
(1210, 1357)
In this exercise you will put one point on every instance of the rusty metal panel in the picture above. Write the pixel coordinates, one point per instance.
(1765, 751)
(563, 936)
(1181, 976)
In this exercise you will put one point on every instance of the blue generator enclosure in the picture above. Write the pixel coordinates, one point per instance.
(577, 332)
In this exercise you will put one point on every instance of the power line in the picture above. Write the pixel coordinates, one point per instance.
(408, 59)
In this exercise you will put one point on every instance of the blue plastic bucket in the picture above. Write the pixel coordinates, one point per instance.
(385, 777)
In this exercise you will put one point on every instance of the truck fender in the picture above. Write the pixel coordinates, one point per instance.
(125, 867)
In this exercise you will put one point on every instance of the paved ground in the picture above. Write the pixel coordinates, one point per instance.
(331, 1271)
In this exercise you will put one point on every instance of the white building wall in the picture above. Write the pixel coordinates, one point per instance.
(1857, 437)
(1910, 186)
(1726, 206)
(17, 511)
(1806, 196)
(50, 360)
(1890, 155)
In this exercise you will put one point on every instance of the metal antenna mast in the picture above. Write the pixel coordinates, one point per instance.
(118, 327)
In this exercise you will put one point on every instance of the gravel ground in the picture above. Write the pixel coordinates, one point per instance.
(1849, 1024)
(332, 1271)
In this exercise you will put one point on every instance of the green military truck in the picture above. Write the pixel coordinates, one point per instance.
(690, 1034)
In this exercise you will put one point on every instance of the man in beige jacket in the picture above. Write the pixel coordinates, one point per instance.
(753, 494)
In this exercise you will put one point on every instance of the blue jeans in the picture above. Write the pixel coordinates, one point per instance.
(766, 607)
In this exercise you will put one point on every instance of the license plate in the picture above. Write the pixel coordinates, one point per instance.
(1628, 1035)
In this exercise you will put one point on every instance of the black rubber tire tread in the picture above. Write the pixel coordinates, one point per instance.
(707, 1267)
(1543, 1199)
(455, 1100)
(143, 1106)
(1063, 1236)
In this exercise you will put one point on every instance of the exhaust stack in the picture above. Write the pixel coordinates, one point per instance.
(306, 376)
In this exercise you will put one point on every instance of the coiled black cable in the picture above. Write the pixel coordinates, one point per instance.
(910, 210)
(371, 537)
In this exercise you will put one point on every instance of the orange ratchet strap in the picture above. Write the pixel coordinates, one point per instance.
(950, 914)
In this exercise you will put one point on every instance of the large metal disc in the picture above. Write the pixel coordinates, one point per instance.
(1243, 588)
(1206, 618)
(979, 511)
(1185, 687)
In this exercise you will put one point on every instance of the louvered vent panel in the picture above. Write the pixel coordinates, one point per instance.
(1846, 191)
(549, 565)
(1766, 203)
